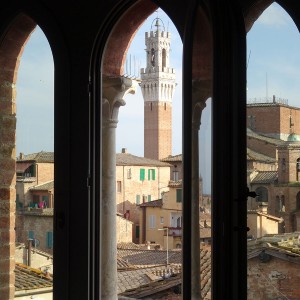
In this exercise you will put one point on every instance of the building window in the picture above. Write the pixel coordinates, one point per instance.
(298, 169)
(31, 234)
(149, 198)
(283, 166)
(152, 221)
(129, 173)
(178, 195)
(142, 174)
(262, 193)
(151, 174)
(161, 220)
(137, 199)
(137, 231)
(175, 175)
(298, 201)
(119, 186)
(49, 240)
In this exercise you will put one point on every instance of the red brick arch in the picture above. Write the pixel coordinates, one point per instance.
(11, 49)
(122, 35)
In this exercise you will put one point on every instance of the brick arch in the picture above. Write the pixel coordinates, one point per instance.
(11, 49)
(122, 35)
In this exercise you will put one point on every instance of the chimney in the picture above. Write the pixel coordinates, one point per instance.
(124, 150)
(274, 100)
(21, 155)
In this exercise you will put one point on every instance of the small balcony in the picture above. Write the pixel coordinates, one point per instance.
(173, 231)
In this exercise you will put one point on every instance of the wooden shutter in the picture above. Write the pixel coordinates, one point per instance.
(49, 239)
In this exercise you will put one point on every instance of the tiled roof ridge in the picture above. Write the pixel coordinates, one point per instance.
(177, 157)
(130, 159)
(152, 203)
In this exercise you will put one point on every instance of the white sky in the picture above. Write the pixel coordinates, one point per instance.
(273, 69)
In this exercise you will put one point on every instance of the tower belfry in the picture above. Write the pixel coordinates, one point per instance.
(158, 86)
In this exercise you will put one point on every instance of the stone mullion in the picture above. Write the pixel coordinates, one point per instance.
(114, 89)
(201, 91)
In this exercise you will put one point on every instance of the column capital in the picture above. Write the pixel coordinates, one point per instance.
(113, 91)
(201, 91)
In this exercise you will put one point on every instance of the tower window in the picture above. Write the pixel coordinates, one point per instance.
(164, 57)
(165, 106)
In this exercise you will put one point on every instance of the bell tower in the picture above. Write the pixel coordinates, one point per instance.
(158, 86)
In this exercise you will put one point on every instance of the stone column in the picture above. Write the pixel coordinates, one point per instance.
(201, 92)
(114, 89)
(7, 188)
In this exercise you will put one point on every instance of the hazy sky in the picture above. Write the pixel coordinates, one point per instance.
(273, 51)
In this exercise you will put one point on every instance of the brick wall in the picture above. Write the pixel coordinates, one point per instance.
(273, 279)
(274, 120)
(157, 129)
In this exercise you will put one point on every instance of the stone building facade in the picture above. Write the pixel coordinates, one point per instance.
(34, 170)
(138, 180)
(273, 161)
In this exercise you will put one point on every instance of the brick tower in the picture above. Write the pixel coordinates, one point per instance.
(158, 85)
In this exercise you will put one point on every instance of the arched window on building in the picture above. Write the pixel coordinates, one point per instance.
(262, 193)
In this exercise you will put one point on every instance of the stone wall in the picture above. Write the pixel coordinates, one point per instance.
(124, 230)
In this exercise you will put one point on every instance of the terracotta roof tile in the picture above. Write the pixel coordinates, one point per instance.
(47, 186)
(38, 157)
(265, 177)
(154, 203)
(172, 158)
(126, 159)
(28, 278)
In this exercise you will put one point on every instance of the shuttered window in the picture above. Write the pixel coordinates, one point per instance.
(49, 240)
(178, 195)
(152, 221)
(137, 199)
(142, 174)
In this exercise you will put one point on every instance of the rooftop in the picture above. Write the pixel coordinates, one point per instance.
(173, 158)
(28, 278)
(265, 177)
(126, 159)
(154, 203)
(47, 186)
(43, 156)
(253, 155)
(269, 140)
